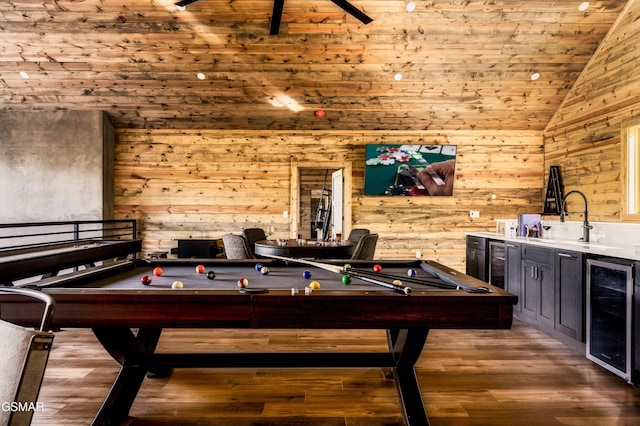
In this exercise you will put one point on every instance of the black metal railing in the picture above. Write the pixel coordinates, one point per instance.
(15, 236)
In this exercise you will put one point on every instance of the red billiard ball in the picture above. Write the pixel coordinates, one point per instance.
(200, 269)
(377, 268)
(146, 280)
(243, 283)
(157, 271)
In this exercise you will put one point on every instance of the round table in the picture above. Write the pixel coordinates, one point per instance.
(310, 249)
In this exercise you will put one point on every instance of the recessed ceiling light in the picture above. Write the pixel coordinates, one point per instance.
(181, 8)
(535, 76)
(201, 76)
(411, 6)
(583, 6)
(397, 77)
(24, 74)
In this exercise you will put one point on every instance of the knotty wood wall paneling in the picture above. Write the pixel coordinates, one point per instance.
(181, 184)
(583, 137)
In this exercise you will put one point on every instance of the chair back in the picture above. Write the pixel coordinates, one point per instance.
(252, 235)
(237, 247)
(23, 359)
(357, 233)
(366, 248)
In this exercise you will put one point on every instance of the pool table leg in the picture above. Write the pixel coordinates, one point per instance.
(134, 353)
(406, 347)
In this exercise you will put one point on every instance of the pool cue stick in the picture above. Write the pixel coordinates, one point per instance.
(340, 270)
(364, 277)
(432, 282)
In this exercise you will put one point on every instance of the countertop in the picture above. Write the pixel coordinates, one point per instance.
(595, 248)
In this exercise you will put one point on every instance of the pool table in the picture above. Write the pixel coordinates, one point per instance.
(128, 317)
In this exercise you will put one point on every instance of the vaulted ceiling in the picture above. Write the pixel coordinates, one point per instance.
(464, 64)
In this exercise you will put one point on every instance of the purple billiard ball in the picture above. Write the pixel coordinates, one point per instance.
(306, 275)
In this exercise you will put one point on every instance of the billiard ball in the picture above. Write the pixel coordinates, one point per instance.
(157, 271)
(259, 266)
(211, 275)
(306, 275)
(177, 284)
(346, 279)
(397, 282)
(377, 268)
(146, 280)
(314, 285)
(346, 266)
(411, 273)
(243, 283)
(264, 270)
(200, 269)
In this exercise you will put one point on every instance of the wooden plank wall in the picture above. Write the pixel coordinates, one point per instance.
(207, 183)
(583, 138)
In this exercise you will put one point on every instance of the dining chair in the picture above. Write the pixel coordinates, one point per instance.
(366, 247)
(252, 235)
(357, 233)
(237, 247)
(24, 353)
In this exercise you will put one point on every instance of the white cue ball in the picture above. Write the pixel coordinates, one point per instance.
(177, 284)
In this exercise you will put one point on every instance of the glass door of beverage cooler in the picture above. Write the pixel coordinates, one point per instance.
(609, 312)
(496, 263)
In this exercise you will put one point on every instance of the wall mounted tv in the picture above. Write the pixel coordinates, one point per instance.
(410, 170)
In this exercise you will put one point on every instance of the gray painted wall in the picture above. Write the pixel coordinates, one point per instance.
(55, 165)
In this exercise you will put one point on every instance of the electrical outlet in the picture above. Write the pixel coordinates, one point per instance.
(474, 214)
(285, 214)
(418, 254)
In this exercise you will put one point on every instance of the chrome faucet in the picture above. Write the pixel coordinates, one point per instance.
(585, 225)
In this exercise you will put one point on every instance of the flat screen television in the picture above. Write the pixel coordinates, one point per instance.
(413, 170)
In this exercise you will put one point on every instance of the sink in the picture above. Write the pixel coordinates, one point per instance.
(595, 246)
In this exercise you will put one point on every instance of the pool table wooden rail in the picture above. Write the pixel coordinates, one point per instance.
(49, 259)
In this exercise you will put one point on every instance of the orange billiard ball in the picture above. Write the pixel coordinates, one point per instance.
(157, 271)
(200, 269)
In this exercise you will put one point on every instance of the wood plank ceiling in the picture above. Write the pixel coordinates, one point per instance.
(464, 64)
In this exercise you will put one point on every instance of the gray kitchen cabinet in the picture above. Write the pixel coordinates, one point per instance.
(570, 294)
(513, 273)
(538, 284)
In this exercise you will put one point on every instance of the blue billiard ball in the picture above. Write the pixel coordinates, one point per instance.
(259, 266)
(306, 275)
(411, 273)
(264, 270)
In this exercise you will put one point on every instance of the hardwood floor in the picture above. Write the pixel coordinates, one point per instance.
(506, 377)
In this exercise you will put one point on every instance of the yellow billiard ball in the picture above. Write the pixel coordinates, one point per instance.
(314, 285)
(177, 284)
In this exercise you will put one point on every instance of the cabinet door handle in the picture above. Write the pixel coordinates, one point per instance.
(566, 255)
(511, 245)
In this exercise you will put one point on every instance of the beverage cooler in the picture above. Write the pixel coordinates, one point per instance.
(610, 314)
